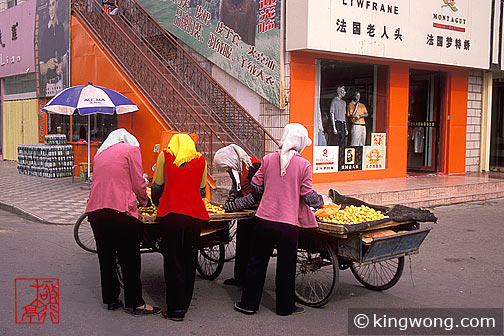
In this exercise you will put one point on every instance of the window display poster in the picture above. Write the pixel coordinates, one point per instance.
(350, 158)
(379, 139)
(52, 46)
(242, 37)
(373, 157)
(325, 159)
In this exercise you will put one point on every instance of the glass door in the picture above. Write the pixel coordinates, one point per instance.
(424, 120)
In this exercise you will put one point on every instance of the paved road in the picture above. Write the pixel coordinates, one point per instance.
(460, 265)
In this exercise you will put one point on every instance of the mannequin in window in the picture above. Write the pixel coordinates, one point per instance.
(356, 111)
(337, 114)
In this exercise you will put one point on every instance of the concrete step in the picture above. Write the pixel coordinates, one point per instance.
(435, 196)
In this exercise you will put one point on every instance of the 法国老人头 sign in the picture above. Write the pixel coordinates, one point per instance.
(17, 25)
(454, 32)
(242, 37)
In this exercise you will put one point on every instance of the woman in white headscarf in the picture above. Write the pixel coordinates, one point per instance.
(284, 186)
(113, 213)
(241, 168)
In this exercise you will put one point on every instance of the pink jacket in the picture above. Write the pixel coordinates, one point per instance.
(282, 199)
(118, 180)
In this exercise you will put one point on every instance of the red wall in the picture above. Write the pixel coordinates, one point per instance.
(91, 63)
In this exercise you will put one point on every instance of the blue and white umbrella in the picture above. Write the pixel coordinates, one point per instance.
(89, 99)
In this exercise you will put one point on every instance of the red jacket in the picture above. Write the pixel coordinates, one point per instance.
(182, 188)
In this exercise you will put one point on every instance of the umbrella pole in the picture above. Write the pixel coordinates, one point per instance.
(88, 146)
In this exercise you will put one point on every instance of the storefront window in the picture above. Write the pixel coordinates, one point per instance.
(100, 125)
(350, 116)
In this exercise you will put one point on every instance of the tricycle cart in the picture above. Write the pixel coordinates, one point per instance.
(376, 262)
(215, 235)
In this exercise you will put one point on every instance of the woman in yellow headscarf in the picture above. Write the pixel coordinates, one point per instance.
(182, 171)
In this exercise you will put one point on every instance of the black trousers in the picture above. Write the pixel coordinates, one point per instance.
(340, 138)
(244, 233)
(118, 234)
(267, 236)
(179, 246)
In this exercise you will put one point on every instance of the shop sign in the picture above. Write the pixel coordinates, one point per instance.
(17, 25)
(455, 32)
(350, 158)
(373, 157)
(241, 37)
(325, 159)
(423, 123)
(378, 139)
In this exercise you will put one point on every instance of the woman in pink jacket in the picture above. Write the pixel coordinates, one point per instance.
(284, 185)
(113, 213)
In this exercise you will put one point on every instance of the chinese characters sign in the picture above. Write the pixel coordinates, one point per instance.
(242, 37)
(434, 31)
(373, 157)
(37, 300)
(325, 159)
(16, 39)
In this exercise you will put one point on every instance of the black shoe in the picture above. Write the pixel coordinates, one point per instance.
(232, 282)
(298, 310)
(238, 307)
(174, 316)
(143, 311)
(115, 305)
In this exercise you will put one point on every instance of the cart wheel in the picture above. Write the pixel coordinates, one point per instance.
(231, 246)
(379, 275)
(211, 261)
(83, 234)
(317, 274)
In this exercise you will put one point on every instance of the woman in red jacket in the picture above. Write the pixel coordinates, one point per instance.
(182, 171)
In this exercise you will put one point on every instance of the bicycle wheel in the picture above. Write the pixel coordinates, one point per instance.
(317, 274)
(211, 261)
(83, 234)
(231, 246)
(379, 275)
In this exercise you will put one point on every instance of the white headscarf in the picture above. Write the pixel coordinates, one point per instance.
(232, 157)
(118, 136)
(294, 139)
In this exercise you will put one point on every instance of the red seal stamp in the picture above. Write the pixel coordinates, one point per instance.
(36, 300)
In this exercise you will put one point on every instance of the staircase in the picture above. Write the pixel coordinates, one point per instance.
(183, 93)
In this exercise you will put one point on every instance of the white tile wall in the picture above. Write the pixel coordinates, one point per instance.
(473, 131)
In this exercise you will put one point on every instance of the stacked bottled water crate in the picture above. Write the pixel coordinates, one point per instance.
(52, 159)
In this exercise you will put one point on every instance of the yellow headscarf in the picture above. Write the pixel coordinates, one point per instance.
(183, 148)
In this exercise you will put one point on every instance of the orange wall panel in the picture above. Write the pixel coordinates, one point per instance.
(456, 133)
(91, 63)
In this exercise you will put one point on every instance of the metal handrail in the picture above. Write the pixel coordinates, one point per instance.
(166, 98)
(244, 128)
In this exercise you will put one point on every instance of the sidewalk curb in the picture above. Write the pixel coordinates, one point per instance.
(25, 214)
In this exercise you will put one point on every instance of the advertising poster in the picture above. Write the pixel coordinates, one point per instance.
(242, 37)
(325, 159)
(373, 157)
(350, 158)
(52, 46)
(379, 139)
